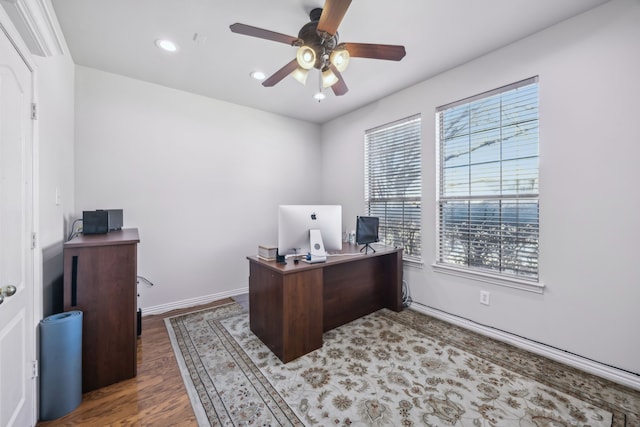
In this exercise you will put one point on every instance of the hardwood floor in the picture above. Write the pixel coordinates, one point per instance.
(155, 397)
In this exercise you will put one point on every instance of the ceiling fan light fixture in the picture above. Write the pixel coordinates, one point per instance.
(300, 74)
(340, 59)
(306, 57)
(319, 96)
(328, 78)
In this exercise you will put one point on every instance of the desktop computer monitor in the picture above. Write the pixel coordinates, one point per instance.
(367, 231)
(296, 221)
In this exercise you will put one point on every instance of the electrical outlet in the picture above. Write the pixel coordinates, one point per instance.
(484, 297)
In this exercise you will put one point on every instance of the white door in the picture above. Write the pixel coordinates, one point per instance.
(17, 330)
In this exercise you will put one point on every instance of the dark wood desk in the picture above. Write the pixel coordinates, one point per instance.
(291, 305)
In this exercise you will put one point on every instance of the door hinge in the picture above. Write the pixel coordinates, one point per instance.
(34, 111)
(34, 240)
(34, 369)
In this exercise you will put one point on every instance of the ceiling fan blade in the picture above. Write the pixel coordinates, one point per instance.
(280, 74)
(248, 30)
(375, 51)
(340, 87)
(332, 14)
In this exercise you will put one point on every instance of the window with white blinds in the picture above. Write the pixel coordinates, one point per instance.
(393, 183)
(488, 182)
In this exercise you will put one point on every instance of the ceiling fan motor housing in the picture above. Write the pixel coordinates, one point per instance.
(322, 46)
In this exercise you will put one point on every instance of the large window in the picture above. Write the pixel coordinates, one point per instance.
(393, 183)
(488, 182)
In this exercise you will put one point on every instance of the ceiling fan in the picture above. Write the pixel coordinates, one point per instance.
(318, 47)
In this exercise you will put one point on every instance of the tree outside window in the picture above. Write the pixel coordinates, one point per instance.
(393, 183)
(488, 181)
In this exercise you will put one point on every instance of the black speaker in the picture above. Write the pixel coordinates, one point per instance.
(95, 222)
(101, 221)
(115, 219)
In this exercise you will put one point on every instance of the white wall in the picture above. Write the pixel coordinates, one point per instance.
(589, 200)
(200, 178)
(54, 88)
(55, 83)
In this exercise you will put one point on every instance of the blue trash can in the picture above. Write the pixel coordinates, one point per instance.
(60, 364)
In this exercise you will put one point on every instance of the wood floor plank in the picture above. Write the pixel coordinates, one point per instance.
(156, 396)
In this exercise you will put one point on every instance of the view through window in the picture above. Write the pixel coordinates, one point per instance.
(488, 181)
(393, 183)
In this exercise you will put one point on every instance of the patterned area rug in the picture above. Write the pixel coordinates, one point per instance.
(385, 369)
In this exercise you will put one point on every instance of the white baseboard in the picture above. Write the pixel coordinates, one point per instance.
(192, 302)
(604, 371)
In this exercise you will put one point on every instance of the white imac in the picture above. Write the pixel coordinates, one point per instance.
(309, 229)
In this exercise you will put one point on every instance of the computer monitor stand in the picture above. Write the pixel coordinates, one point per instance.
(317, 252)
(366, 248)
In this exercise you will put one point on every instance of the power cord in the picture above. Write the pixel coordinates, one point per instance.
(73, 233)
(406, 294)
(145, 280)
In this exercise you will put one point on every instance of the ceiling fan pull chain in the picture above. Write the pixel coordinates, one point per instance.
(319, 96)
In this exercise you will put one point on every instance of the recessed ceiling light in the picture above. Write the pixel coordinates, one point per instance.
(258, 75)
(167, 45)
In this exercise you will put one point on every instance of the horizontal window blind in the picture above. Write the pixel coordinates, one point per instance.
(393, 183)
(488, 181)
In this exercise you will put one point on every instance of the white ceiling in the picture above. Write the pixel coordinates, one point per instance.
(118, 36)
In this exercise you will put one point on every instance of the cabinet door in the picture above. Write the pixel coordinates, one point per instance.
(265, 306)
(102, 284)
(302, 311)
(285, 310)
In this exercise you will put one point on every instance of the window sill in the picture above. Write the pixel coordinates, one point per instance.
(525, 285)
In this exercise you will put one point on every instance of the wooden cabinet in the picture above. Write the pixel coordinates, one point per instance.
(100, 279)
